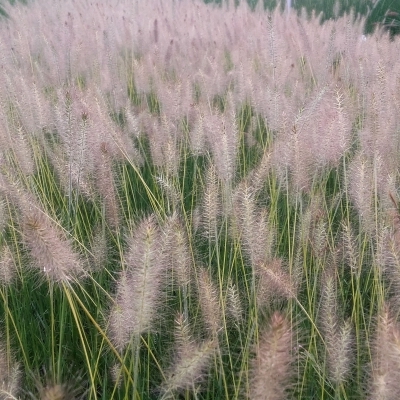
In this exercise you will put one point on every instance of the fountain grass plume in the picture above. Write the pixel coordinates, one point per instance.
(191, 361)
(272, 368)
(139, 287)
(384, 374)
(10, 375)
(51, 251)
(338, 336)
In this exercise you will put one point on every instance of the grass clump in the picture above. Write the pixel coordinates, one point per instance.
(197, 202)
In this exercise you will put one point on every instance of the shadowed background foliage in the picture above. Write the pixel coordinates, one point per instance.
(378, 12)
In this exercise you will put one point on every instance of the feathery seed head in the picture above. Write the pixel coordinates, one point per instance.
(259, 175)
(98, 249)
(51, 389)
(211, 209)
(197, 133)
(7, 265)
(272, 368)
(329, 304)
(3, 213)
(139, 287)
(116, 375)
(10, 376)
(56, 392)
(173, 201)
(350, 248)
(361, 189)
(105, 185)
(51, 251)
(192, 360)
(341, 353)
(143, 244)
(233, 302)
(120, 325)
(222, 136)
(176, 250)
(338, 336)
(251, 225)
(385, 368)
(209, 303)
(274, 282)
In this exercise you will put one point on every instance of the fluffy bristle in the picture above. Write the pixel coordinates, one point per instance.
(272, 369)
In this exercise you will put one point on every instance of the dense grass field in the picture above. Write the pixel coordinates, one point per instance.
(383, 13)
(197, 202)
